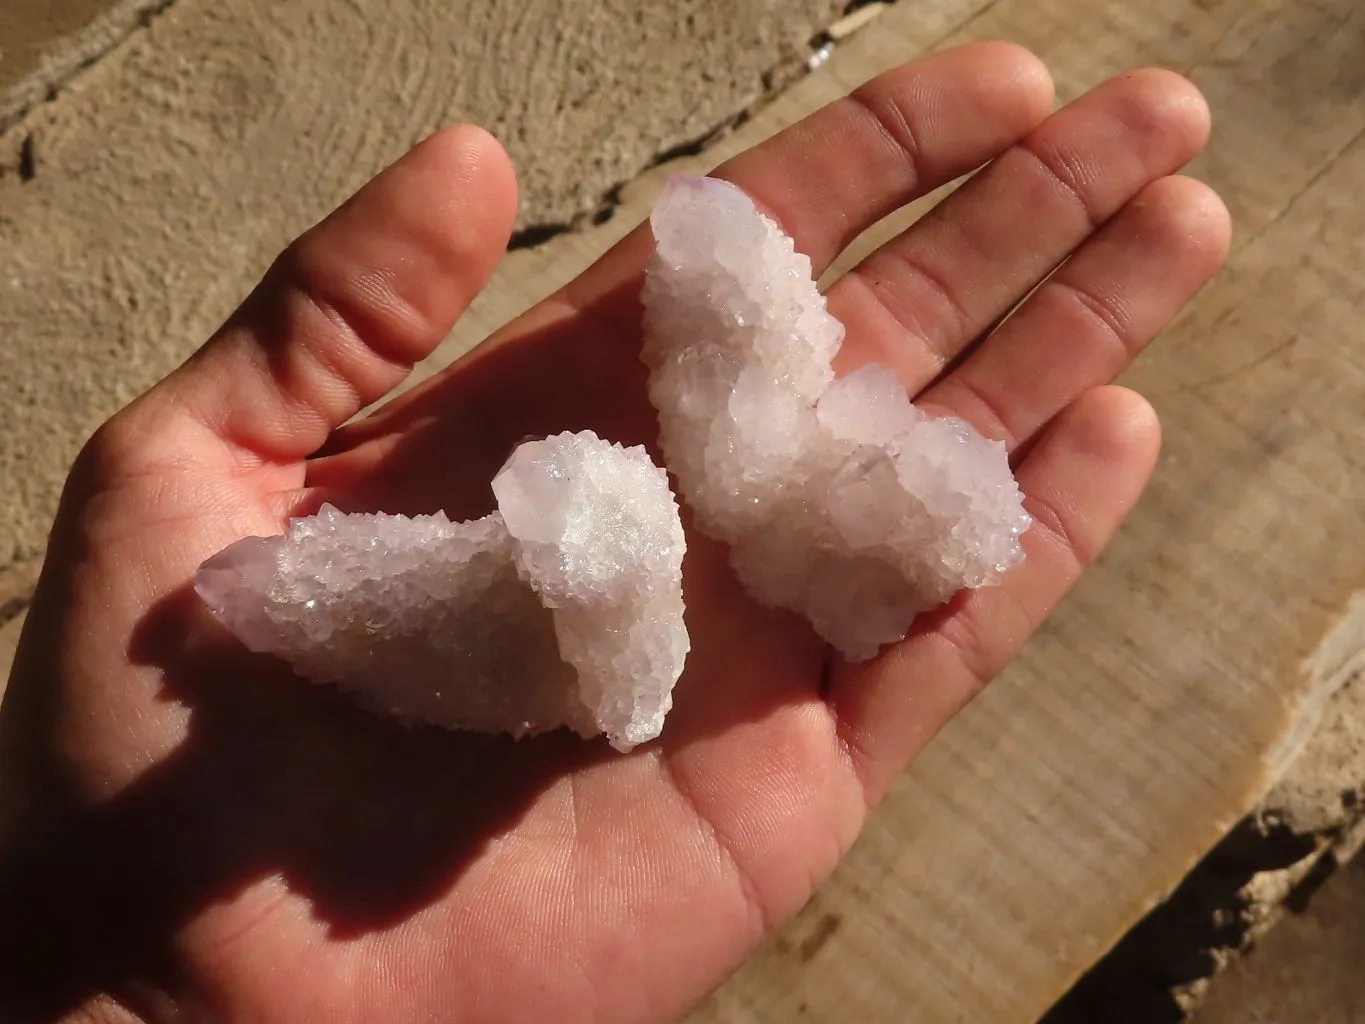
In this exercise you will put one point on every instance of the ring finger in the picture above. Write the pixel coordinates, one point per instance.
(1080, 329)
(917, 302)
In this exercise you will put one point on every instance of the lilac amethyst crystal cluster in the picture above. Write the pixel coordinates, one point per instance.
(563, 608)
(838, 498)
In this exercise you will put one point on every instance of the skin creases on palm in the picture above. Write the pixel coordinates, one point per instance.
(187, 830)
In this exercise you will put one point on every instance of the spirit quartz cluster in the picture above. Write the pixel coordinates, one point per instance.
(838, 499)
(563, 608)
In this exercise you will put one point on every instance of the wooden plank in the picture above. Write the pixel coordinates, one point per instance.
(1152, 712)
(43, 43)
(141, 203)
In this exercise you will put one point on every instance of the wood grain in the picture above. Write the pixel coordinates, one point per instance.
(42, 44)
(1152, 711)
(145, 199)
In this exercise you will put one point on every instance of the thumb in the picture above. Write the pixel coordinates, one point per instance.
(344, 313)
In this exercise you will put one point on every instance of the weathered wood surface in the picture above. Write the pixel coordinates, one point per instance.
(1152, 712)
(43, 43)
(138, 204)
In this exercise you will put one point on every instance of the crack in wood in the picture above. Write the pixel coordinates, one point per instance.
(133, 19)
(773, 82)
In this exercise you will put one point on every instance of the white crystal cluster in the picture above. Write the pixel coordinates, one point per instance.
(838, 498)
(563, 608)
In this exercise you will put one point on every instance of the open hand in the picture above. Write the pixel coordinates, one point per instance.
(190, 830)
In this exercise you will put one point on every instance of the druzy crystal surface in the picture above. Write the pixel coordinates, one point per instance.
(563, 608)
(838, 498)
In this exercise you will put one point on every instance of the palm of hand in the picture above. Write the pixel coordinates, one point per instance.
(287, 857)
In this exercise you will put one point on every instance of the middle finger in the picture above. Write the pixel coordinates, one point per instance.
(917, 302)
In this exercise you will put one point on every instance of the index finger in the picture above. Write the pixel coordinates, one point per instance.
(895, 138)
(900, 135)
